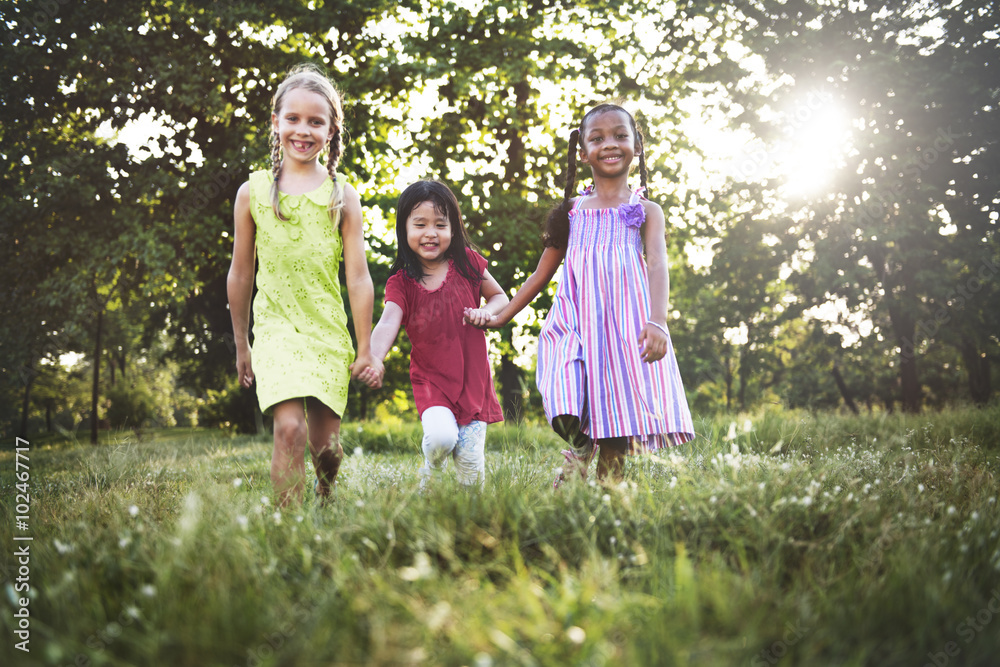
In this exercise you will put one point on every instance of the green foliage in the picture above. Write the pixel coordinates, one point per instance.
(130, 405)
(816, 539)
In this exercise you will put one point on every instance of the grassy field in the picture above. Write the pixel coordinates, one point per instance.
(774, 539)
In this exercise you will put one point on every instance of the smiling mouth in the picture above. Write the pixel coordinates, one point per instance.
(301, 145)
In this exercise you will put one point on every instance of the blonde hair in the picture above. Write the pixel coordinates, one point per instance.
(311, 78)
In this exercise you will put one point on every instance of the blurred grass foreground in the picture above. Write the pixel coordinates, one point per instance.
(778, 538)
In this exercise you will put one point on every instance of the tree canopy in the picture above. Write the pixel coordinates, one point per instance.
(112, 243)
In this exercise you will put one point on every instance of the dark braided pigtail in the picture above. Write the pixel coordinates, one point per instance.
(332, 161)
(557, 223)
(643, 172)
(276, 161)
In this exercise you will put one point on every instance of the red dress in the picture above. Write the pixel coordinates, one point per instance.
(449, 365)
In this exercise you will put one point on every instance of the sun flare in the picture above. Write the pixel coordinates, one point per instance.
(816, 140)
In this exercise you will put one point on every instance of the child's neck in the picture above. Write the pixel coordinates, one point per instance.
(611, 191)
(434, 273)
(300, 177)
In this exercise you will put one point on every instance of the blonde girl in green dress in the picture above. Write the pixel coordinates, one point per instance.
(298, 220)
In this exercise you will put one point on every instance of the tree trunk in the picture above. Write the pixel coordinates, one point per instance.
(744, 373)
(729, 383)
(29, 379)
(977, 366)
(510, 390)
(95, 388)
(844, 391)
(905, 329)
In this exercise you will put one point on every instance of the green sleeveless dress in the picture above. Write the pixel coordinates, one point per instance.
(301, 346)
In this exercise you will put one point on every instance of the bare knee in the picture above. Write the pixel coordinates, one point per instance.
(290, 434)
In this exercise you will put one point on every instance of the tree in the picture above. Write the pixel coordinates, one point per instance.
(916, 197)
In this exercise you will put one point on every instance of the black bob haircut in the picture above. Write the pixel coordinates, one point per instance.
(444, 201)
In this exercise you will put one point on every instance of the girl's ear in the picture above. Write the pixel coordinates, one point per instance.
(274, 122)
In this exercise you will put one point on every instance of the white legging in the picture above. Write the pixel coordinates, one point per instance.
(443, 437)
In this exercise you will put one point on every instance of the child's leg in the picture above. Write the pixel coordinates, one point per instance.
(581, 447)
(324, 444)
(288, 466)
(440, 438)
(568, 428)
(470, 454)
(611, 459)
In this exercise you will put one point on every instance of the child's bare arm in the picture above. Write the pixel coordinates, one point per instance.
(653, 336)
(382, 339)
(548, 264)
(491, 291)
(360, 290)
(239, 283)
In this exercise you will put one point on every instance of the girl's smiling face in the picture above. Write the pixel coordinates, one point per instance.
(608, 144)
(428, 233)
(303, 124)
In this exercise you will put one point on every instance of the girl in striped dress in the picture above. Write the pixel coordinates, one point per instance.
(606, 367)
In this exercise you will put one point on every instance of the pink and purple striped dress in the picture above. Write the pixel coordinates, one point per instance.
(588, 350)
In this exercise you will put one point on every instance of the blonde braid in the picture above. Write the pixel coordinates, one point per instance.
(276, 163)
(332, 162)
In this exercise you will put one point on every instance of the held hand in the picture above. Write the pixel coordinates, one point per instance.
(480, 318)
(369, 370)
(244, 369)
(652, 343)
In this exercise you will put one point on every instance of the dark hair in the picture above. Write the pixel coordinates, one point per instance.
(557, 223)
(444, 202)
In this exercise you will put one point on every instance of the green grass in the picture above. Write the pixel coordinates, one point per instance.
(778, 538)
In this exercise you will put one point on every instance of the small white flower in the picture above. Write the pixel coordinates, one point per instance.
(277, 517)
(298, 518)
(974, 516)
(921, 487)
(359, 503)
(124, 542)
(242, 521)
(613, 539)
(806, 501)
(606, 498)
(712, 500)
(576, 634)
(149, 590)
(62, 548)
(265, 501)
(951, 509)
(133, 510)
(358, 451)
(132, 611)
(317, 538)
(238, 482)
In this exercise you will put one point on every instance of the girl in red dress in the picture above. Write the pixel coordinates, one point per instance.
(435, 283)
